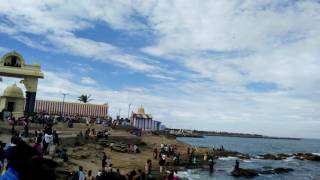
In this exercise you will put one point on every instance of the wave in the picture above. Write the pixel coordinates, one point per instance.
(289, 159)
(227, 158)
(189, 174)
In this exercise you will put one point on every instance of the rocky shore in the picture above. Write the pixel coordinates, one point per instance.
(88, 153)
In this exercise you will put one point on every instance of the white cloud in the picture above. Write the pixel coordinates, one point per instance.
(88, 81)
(57, 21)
(226, 45)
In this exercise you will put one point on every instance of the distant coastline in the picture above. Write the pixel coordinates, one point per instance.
(202, 134)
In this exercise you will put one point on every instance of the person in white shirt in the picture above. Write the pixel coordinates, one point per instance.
(48, 139)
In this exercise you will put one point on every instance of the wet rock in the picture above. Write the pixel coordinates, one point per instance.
(248, 173)
(307, 156)
(274, 156)
(231, 154)
(279, 170)
(282, 170)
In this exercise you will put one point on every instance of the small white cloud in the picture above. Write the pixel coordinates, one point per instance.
(88, 81)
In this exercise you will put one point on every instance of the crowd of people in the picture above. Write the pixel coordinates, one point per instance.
(19, 161)
(46, 140)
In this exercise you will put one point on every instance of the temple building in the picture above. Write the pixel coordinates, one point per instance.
(19, 103)
(13, 64)
(144, 121)
(13, 101)
(71, 109)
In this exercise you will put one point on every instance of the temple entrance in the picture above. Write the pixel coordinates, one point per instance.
(10, 106)
(13, 65)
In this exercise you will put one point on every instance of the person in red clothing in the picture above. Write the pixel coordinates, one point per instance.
(37, 147)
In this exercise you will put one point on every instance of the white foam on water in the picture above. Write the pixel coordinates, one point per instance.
(227, 158)
(188, 174)
(318, 154)
(247, 161)
(289, 159)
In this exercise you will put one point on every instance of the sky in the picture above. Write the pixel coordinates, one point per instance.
(248, 66)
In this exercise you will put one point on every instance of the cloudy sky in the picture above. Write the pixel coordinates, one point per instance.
(238, 66)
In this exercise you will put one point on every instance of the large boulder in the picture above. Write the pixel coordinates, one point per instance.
(248, 173)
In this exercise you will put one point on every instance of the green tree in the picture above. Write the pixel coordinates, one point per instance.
(85, 98)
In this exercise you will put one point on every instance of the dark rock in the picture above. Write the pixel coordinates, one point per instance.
(307, 156)
(279, 170)
(248, 173)
(231, 154)
(274, 156)
(282, 170)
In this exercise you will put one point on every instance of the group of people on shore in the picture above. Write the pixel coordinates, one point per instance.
(19, 161)
(45, 140)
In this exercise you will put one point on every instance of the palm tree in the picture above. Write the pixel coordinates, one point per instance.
(85, 98)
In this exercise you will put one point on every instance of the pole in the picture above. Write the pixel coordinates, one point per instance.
(64, 96)
(129, 110)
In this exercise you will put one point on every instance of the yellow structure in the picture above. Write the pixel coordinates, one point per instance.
(13, 65)
(141, 110)
(13, 101)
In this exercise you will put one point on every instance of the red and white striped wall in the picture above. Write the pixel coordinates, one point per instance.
(71, 109)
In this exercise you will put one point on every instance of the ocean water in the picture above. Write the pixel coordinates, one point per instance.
(255, 146)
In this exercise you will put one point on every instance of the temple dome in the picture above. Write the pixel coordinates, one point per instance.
(141, 110)
(13, 91)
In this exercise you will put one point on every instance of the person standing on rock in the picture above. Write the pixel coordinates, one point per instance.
(211, 164)
(237, 165)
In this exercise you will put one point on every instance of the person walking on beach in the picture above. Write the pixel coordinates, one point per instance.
(162, 162)
(104, 162)
(47, 141)
(55, 136)
(148, 167)
(155, 153)
(81, 174)
(89, 176)
(37, 147)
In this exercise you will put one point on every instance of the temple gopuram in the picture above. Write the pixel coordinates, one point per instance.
(144, 121)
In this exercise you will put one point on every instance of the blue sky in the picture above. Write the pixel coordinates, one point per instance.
(239, 66)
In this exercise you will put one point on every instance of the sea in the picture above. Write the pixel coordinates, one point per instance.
(303, 170)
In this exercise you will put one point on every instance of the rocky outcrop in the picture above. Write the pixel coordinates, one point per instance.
(226, 153)
(307, 156)
(299, 156)
(274, 156)
(247, 173)
(279, 170)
